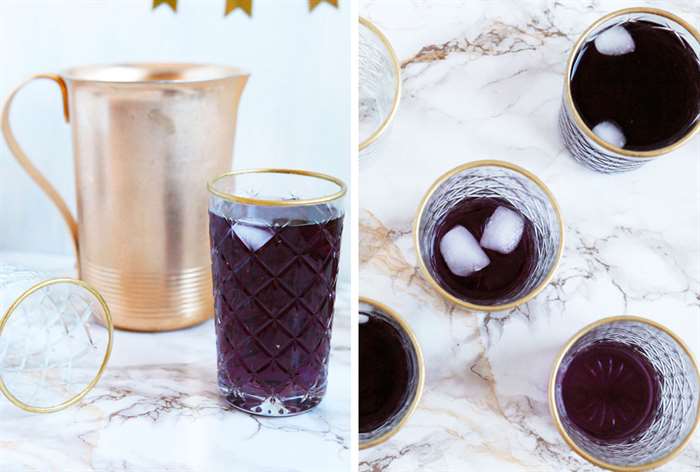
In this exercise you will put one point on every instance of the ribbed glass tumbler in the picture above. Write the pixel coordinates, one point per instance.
(379, 86)
(664, 428)
(55, 339)
(275, 245)
(388, 413)
(510, 184)
(580, 139)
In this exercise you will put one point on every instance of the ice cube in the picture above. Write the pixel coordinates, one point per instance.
(362, 319)
(503, 230)
(462, 252)
(615, 41)
(254, 237)
(611, 133)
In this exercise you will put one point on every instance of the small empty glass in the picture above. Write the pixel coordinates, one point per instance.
(275, 244)
(507, 183)
(55, 339)
(675, 416)
(380, 86)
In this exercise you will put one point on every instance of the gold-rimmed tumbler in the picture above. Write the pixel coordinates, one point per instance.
(379, 86)
(677, 412)
(275, 246)
(55, 339)
(370, 310)
(583, 144)
(512, 184)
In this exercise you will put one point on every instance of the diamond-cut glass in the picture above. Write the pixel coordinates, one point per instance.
(274, 300)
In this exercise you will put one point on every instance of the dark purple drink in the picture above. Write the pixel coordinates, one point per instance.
(637, 85)
(274, 290)
(502, 271)
(610, 391)
(384, 372)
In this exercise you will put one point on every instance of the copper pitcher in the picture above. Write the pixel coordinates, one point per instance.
(146, 138)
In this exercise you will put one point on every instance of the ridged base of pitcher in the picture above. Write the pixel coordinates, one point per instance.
(153, 301)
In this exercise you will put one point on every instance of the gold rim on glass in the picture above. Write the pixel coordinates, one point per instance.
(342, 188)
(557, 419)
(424, 268)
(397, 82)
(110, 330)
(421, 372)
(570, 100)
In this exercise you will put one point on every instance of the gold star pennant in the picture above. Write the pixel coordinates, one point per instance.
(245, 5)
(171, 3)
(314, 3)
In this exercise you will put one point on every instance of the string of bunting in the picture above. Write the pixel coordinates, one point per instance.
(245, 5)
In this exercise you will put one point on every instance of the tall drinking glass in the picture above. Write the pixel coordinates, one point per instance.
(275, 243)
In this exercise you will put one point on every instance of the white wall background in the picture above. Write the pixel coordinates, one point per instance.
(295, 111)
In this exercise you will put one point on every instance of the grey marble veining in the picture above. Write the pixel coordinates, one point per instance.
(483, 80)
(157, 408)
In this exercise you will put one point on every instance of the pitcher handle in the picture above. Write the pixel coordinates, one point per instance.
(28, 166)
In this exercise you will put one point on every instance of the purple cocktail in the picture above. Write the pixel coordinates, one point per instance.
(610, 391)
(485, 249)
(274, 271)
(624, 393)
(384, 370)
(637, 85)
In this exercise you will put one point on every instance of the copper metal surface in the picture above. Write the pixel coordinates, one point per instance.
(146, 139)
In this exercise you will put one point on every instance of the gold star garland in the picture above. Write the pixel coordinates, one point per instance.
(314, 3)
(171, 3)
(245, 5)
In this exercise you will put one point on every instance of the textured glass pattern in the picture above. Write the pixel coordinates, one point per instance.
(379, 89)
(274, 289)
(53, 343)
(491, 181)
(678, 406)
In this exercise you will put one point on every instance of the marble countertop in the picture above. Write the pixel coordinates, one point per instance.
(483, 80)
(157, 408)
